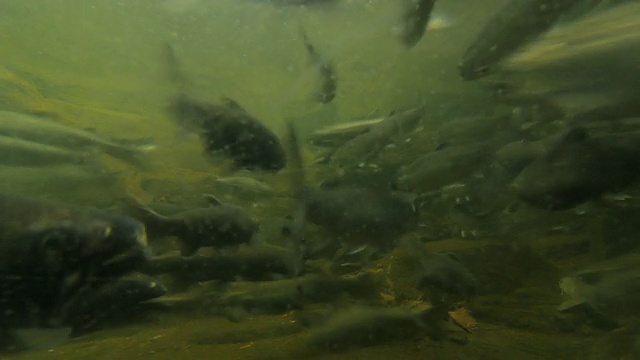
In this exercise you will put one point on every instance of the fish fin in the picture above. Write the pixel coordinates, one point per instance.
(230, 103)
(176, 75)
(212, 200)
(569, 304)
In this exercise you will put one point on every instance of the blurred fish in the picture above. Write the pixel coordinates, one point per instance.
(244, 185)
(578, 168)
(294, 2)
(586, 67)
(365, 146)
(17, 152)
(328, 79)
(225, 127)
(436, 169)
(516, 23)
(51, 251)
(298, 184)
(360, 214)
(608, 292)
(415, 20)
(219, 225)
(338, 134)
(50, 133)
(370, 326)
(440, 272)
(257, 262)
(111, 300)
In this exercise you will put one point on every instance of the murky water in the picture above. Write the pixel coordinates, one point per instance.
(448, 183)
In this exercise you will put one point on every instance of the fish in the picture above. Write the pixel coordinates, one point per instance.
(436, 169)
(364, 147)
(516, 23)
(339, 134)
(362, 326)
(606, 291)
(50, 252)
(295, 2)
(415, 20)
(298, 184)
(360, 214)
(579, 168)
(326, 92)
(280, 296)
(260, 262)
(584, 67)
(219, 225)
(515, 156)
(50, 133)
(18, 152)
(244, 185)
(111, 301)
(440, 272)
(225, 127)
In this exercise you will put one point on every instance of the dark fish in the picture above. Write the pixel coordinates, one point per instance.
(440, 272)
(369, 326)
(415, 18)
(359, 213)
(50, 252)
(579, 168)
(219, 225)
(254, 263)
(295, 231)
(225, 127)
(328, 79)
(112, 301)
(513, 25)
(277, 297)
(228, 129)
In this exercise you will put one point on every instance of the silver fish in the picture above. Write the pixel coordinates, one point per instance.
(369, 144)
(585, 65)
(513, 25)
(415, 20)
(17, 152)
(51, 133)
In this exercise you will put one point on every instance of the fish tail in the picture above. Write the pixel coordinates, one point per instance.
(176, 75)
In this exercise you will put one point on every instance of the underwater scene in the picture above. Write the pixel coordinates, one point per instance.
(319, 179)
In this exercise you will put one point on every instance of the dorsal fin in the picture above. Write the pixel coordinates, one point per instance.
(212, 200)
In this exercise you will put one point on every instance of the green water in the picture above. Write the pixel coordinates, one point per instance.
(100, 64)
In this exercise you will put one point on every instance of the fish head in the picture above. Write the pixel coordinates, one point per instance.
(470, 72)
(105, 245)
